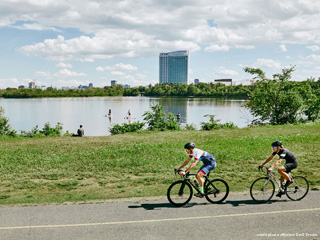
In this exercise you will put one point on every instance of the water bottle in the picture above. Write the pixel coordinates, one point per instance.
(196, 183)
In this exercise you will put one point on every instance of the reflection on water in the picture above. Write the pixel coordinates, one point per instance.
(93, 113)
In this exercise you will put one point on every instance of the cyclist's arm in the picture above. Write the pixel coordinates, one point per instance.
(275, 164)
(268, 160)
(191, 166)
(184, 164)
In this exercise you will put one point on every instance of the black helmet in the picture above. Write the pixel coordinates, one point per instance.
(190, 145)
(276, 143)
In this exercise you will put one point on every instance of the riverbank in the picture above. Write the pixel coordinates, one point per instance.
(65, 169)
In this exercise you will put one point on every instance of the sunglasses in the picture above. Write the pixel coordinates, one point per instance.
(274, 147)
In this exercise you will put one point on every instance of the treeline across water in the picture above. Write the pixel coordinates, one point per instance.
(158, 90)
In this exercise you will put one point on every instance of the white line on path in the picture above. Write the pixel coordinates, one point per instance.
(158, 220)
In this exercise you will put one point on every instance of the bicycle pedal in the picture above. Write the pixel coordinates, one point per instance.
(199, 195)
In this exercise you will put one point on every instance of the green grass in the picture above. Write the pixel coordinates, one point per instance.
(59, 169)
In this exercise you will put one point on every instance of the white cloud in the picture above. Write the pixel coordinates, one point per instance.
(144, 29)
(267, 63)
(216, 47)
(228, 72)
(100, 69)
(104, 45)
(64, 65)
(73, 82)
(36, 27)
(117, 73)
(314, 58)
(314, 48)
(68, 73)
(282, 48)
(9, 82)
(119, 66)
(43, 74)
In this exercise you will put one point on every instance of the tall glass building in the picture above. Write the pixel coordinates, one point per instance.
(173, 67)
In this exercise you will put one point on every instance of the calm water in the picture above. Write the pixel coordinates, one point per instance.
(24, 114)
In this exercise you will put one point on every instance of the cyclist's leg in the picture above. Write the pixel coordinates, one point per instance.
(283, 173)
(204, 170)
(286, 169)
(201, 172)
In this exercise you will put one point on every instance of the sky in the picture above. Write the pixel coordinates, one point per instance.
(65, 43)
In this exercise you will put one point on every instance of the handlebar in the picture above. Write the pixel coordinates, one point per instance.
(179, 171)
(266, 171)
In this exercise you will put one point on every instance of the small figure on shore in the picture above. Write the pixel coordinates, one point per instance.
(129, 116)
(80, 132)
(178, 117)
(109, 116)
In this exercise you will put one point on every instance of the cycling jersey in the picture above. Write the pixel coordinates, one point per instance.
(200, 155)
(286, 155)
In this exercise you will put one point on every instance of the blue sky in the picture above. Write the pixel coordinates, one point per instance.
(67, 43)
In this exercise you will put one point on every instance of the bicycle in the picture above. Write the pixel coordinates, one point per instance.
(180, 192)
(263, 188)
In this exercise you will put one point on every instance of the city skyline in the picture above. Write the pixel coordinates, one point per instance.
(64, 43)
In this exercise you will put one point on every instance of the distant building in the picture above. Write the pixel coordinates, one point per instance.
(113, 82)
(21, 87)
(126, 86)
(196, 81)
(82, 87)
(173, 67)
(90, 85)
(223, 81)
(32, 85)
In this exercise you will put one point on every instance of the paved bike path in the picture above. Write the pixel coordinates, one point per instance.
(237, 218)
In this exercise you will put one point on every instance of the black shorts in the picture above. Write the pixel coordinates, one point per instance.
(290, 166)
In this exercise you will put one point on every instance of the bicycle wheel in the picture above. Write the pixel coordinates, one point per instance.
(179, 193)
(216, 191)
(262, 190)
(298, 189)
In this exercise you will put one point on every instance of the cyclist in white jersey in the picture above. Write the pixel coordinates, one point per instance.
(209, 163)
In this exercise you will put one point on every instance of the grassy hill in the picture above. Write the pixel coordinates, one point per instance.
(44, 170)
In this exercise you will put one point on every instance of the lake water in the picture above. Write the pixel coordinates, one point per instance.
(24, 114)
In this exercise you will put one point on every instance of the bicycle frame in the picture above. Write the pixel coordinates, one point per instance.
(188, 179)
(271, 176)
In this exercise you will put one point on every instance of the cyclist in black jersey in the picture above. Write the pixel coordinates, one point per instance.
(291, 163)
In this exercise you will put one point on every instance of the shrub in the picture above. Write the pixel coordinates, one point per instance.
(50, 131)
(157, 119)
(191, 126)
(214, 124)
(47, 130)
(5, 128)
(125, 127)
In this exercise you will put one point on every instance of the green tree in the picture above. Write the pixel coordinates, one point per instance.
(157, 119)
(273, 100)
(312, 106)
(5, 128)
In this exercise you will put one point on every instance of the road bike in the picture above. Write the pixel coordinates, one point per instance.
(263, 188)
(180, 192)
